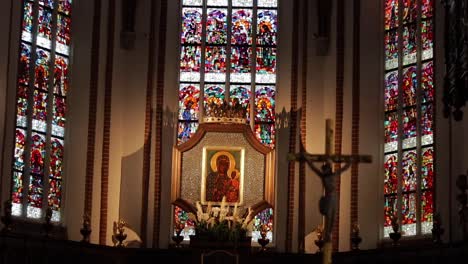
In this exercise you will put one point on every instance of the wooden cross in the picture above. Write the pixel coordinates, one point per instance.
(328, 201)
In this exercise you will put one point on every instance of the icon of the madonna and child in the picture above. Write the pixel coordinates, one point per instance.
(223, 175)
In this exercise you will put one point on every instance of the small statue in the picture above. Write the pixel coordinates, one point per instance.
(119, 235)
(263, 240)
(6, 218)
(355, 238)
(319, 242)
(396, 234)
(86, 229)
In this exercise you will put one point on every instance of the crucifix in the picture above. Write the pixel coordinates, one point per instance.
(327, 204)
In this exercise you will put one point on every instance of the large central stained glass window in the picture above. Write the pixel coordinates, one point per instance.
(228, 55)
(409, 110)
(41, 103)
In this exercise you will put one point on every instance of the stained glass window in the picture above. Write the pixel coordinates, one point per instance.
(263, 221)
(408, 120)
(229, 55)
(41, 108)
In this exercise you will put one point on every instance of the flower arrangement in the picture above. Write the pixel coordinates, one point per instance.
(220, 224)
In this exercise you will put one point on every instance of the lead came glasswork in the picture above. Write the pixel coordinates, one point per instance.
(191, 25)
(391, 91)
(216, 26)
(189, 96)
(26, 35)
(391, 14)
(391, 50)
(410, 83)
(42, 69)
(409, 164)
(266, 27)
(391, 177)
(409, 44)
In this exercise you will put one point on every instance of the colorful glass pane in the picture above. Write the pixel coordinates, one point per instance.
(190, 61)
(39, 122)
(263, 221)
(409, 44)
(44, 29)
(266, 60)
(17, 189)
(267, 3)
(391, 50)
(22, 106)
(265, 103)
(427, 119)
(182, 221)
(47, 3)
(240, 64)
(56, 159)
(391, 14)
(26, 35)
(427, 208)
(391, 178)
(42, 69)
(55, 195)
(36, 188)
(189, 96)
(427, 169)
(409, 166)
(265, 133)
(20, 142)
(391, 91)
(216, 26)
(410, 11)
(427, 84)
(267, 27)
(241, 26)
(410, 84)
(63, 34)
(58, 121)
(185, 131)
(193, 2)
(427, 8)
(217, 2)
(65, 6)
(240, 94)
(427, 39)
(409, 127)
(215, 64)
(61, 82)
(191, 25)
(408, 214)
(213, 97)
(23, 67)
(37, 153)
(390, 209)
(391, 131)
(242, 2)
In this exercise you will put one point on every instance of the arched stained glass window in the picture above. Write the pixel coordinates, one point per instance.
(41, 103)
(409, 111)
(228, 53)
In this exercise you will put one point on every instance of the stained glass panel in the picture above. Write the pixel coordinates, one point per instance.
(37, 153)
(427, 169)
(20, 142)
(189, 96)
(44, 29)
(216, 26)
(391, 91)
(391, 177)
(410, 84)
(59, 120)
(193, 2)
(241, 26)
(39, 122)
(427, 8)
(65, 6)
(427, 207)
(263, 221)
(215, 64)
(217, 2)
(391, 50)
(182, 221)
(26, 35)
(409, 44)
(391, 131)
(63, 34)
(22, 106)
(240, 94)
(17, 189)
(267, 3)
(427, 84)
(47, 3)
(35, 196)
(242, 3)
(42, 69)
(23, 67)
(56, 159)
(409, 128)
(185, 131)
(191, 25)
(213, 97)
(240, 62)
(390, 209)
(265, 103)
(265, 133)
(267, 27)
(61, 75)
(409, 214)
(409, 166)
(410, 11)
(190, 61)
(427, 39)
(266, 65)
(391, 14)
(427, 120)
